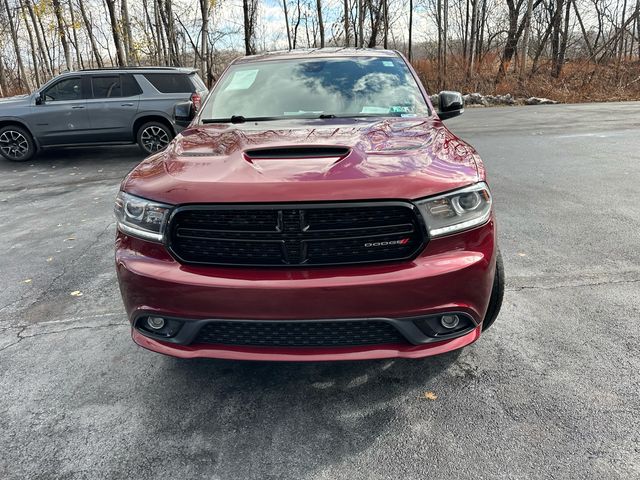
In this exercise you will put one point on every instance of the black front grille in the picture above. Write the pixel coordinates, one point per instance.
(306, 234)
(300, 334)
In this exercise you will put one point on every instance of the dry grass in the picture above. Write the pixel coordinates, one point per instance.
(581, 81)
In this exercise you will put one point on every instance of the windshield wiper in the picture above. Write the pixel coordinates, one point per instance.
(323, 116)
(240, 119)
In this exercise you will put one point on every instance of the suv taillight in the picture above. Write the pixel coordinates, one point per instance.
(196, 99)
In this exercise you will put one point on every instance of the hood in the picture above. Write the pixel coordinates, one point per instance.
(316, 160)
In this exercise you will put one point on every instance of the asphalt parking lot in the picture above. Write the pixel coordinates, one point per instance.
(551, 391)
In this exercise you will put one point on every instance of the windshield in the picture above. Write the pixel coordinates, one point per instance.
(310, 88)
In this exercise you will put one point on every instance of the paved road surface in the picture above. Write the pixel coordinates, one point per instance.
(552, 391)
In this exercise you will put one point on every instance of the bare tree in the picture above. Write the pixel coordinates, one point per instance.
(320, 22)
(115, 31)
(34, 52)
(249, 9)
(360, 42)
(205, 8)
(286, 22)
(409, 52)
(126, 31)
(346, 23)
(22, 76)
(62, 34)
(525, 40)
(89, 31)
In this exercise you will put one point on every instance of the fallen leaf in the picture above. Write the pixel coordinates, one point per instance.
(520, 254)
(430, 396)
(28, 280)
(76, 293)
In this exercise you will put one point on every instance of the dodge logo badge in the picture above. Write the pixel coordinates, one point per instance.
(404, 241)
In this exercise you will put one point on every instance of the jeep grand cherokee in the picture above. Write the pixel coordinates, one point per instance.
(316, 208)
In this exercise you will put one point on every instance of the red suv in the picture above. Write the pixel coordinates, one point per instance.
(316, 208)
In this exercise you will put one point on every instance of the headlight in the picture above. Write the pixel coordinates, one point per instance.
(456, 211)
(141, 218)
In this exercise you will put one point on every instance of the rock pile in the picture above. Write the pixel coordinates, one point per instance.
(495, 100)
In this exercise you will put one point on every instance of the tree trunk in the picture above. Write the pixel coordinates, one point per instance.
(22, 76)
(360, 23)
(4, 88)
(385, 6)
(511, 43)
(150, 32)
(92, 39)
(346, 23)
(286, 22)
(52, 67)
(161, 33)
(409, 52)
(57, 10)
(445, 33)
(585, 35)
(525, 40)
(126, 23)
(41, 48)
(34, 52)
(248, 9)
(472, 36)
(297, 25)
(115, 32)
(481, 28)
(170, 41)
(556, 21)
(564, 41)
(204, 39)
(76, 45)
(320, 22)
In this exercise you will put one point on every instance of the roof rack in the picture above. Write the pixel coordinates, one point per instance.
(131, 68)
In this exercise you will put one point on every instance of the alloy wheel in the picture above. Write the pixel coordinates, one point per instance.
(154, 138)
(14, 144)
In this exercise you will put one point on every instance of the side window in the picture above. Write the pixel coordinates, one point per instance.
(170, 82)
(106, 86)
(130, 86)
(64, 90)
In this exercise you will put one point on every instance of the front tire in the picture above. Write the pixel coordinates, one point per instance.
(16, 144)
(497, 294)
(153, 137)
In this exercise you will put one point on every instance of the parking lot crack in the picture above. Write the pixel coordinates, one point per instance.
(572, 285)
(18, 339)
(65, 267)
(20, 335)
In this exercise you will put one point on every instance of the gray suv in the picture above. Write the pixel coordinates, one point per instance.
(99, 107)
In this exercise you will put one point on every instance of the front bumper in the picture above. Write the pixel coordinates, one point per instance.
(453, 273)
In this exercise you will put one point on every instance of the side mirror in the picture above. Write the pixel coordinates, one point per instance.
(39, 99)
(451, 105)
(183, 113)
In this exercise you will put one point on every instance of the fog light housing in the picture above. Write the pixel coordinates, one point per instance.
(445, 325)
(156, 326)
(450, 321)
(155, 323)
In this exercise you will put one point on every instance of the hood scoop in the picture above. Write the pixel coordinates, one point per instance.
(297, 152)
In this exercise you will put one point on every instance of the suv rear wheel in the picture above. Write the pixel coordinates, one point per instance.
(16, 144)
(153, 137)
